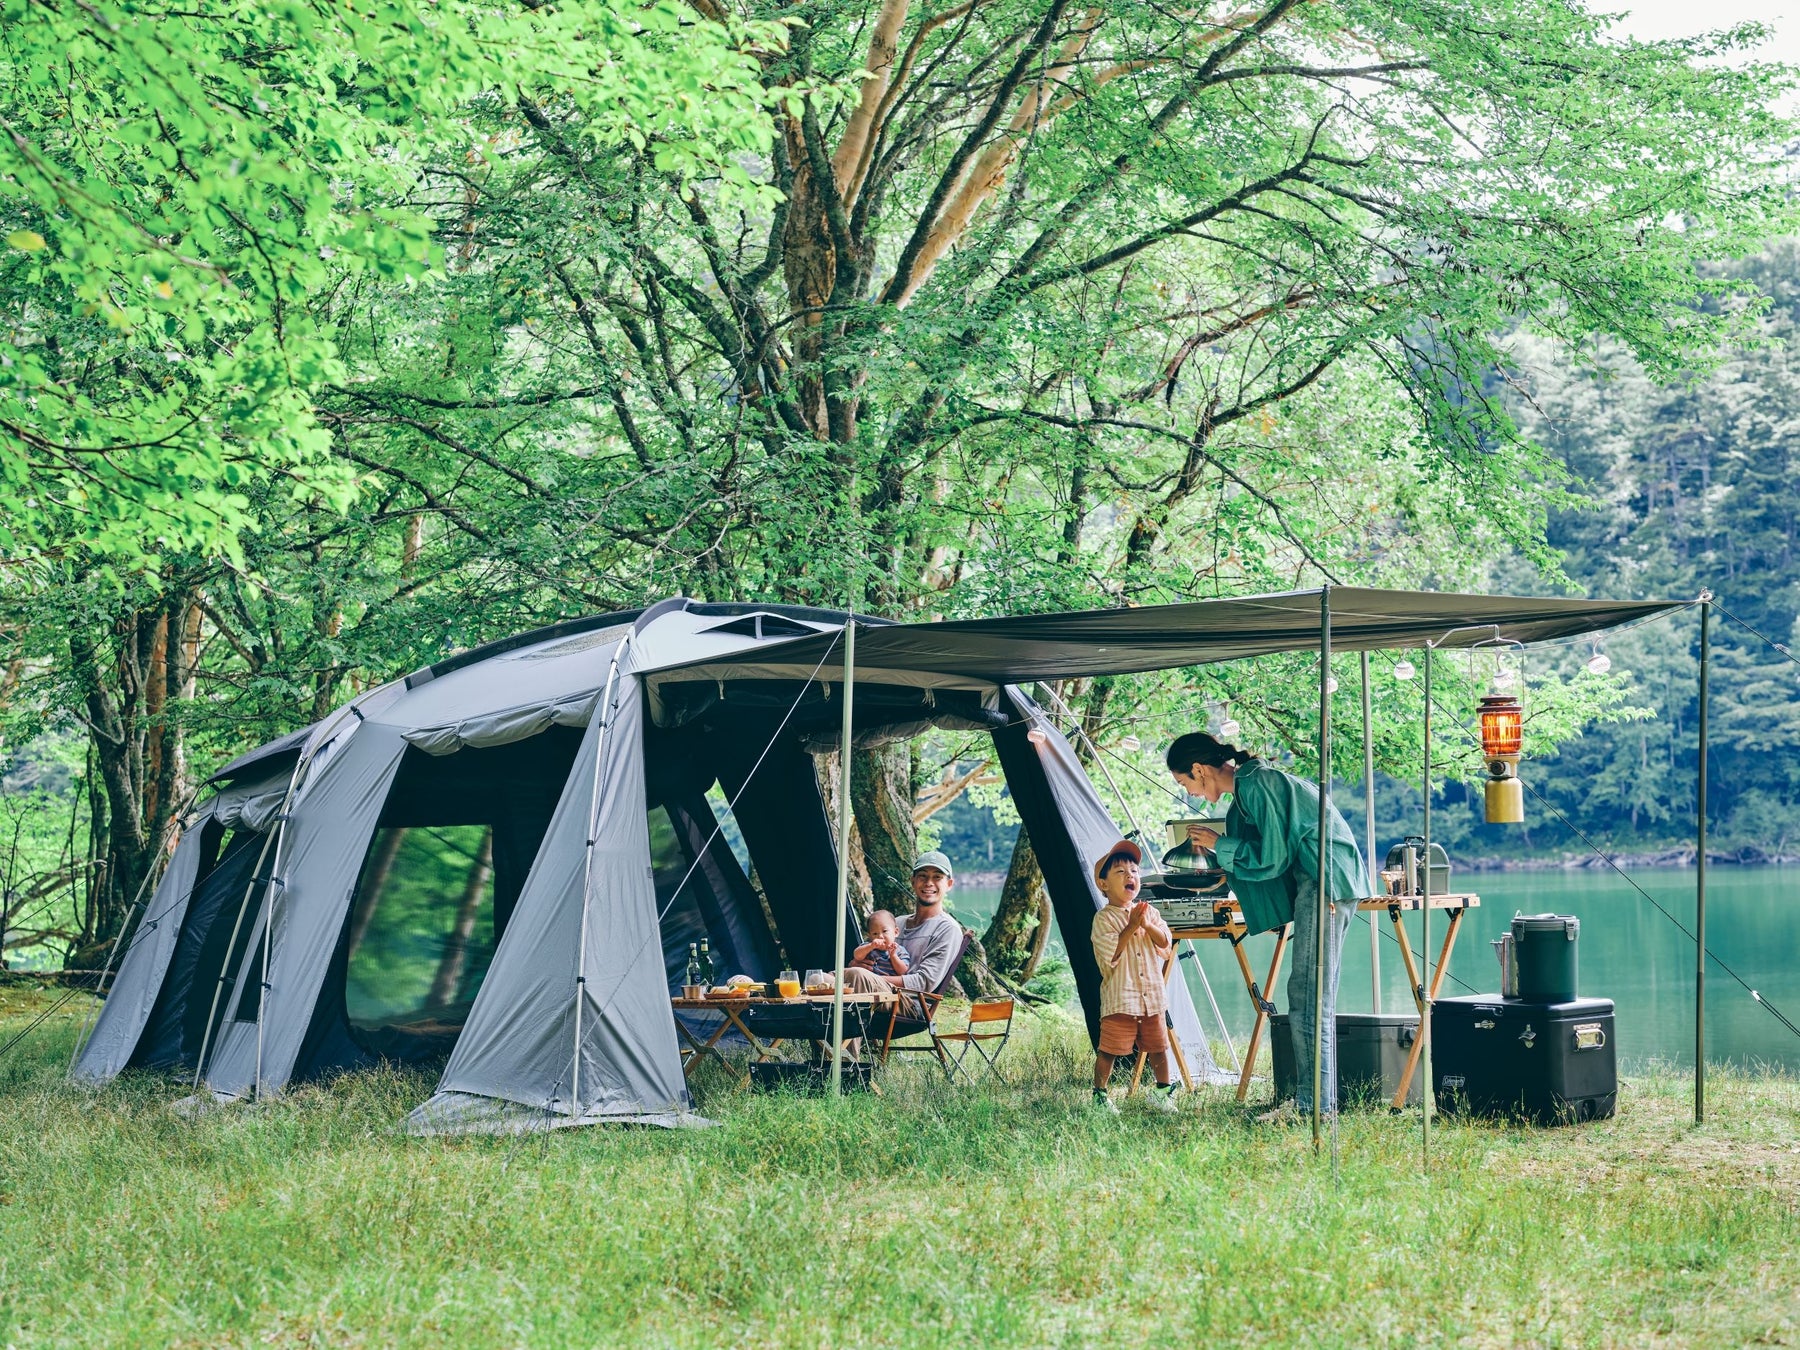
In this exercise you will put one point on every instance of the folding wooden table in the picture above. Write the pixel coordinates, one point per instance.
(1396, 905)
(1232, 930)
(734, 1010)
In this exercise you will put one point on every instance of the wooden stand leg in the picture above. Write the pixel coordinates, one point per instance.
(701, 1048)
(1258, 998)
(1430, 997)
(1137, 1072)
(1187, 1079)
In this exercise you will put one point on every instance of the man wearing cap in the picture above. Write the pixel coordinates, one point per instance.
(932, 938)
(1131, 946)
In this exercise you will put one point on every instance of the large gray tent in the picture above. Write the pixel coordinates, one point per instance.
(586, 752)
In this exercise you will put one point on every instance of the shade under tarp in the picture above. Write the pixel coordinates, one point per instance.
(1027, 647)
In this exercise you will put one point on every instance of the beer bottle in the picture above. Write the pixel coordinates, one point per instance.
(706, 962)
(693, 965)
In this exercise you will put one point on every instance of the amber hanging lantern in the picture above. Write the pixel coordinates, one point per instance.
(1502, 743)
(1502, 726)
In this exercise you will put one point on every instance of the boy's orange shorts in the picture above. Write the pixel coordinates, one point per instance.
(1121, 1033)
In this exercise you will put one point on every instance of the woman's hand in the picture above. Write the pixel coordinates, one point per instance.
(1201, 837)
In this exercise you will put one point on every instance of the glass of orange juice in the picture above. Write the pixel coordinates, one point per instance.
(787, 984)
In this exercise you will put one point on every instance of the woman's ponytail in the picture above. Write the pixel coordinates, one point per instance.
(1196, 747)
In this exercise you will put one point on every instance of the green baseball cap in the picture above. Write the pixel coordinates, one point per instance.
(934, 859)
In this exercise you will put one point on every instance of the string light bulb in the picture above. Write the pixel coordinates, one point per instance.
(1037, 736)
(1129, 743)
(1230, 727)
(1599, 663)
(1404, 669)
(1331, 684)
(1504, 679)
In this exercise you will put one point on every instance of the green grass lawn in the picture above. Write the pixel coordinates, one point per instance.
(1005, 1216)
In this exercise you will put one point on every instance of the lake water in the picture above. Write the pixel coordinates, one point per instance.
(1629, 953)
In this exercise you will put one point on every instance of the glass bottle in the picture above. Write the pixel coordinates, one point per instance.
(693, 965)
(707, 965)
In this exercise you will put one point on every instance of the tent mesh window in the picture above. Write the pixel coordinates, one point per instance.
(421, 938)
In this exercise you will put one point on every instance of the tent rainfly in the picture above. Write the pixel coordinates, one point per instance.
(298, 931)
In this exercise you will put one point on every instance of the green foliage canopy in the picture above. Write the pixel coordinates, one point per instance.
(179, 187)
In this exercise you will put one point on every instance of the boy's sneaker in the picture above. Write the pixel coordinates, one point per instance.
(1163, 1098)
(1286, 1113)
(1103, 1104)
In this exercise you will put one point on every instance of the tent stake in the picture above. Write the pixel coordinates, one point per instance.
(1700, 872)
(1426, 1096)
(843, 876)
(1322, 916)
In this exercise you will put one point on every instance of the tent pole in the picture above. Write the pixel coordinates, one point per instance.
(231, 943)
(604, 712)
(1700, 872)
(1426, 1095)
(843, 876)
(1369, 829)
(1322, 918)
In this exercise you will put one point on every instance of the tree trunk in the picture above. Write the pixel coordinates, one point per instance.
(373, 886)
(881, 798)
(974, 977)
(1014, 940)
(456, 952)
(830, 775)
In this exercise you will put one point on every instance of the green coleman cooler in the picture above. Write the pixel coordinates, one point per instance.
(1543, 946)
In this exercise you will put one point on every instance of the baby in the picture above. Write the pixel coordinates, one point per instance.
(882, 954)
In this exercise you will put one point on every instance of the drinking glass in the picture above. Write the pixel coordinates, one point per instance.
(787, 984)
(814, 978)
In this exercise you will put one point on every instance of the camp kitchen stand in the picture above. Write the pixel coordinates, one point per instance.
(1232, 930)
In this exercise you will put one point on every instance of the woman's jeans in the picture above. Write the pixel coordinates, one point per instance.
(1302, 986)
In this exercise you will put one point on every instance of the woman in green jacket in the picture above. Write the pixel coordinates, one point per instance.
(1270, 854)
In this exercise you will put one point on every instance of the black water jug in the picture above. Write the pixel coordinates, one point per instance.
(1544, 947)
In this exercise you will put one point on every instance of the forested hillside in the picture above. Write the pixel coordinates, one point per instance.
(1688, 486)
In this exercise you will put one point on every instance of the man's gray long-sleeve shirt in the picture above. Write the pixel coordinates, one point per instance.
(930, 948)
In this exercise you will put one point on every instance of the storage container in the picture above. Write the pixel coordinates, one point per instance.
(1440, 865)
(1371, 1048)
(1544, 948)
(1553, 1063)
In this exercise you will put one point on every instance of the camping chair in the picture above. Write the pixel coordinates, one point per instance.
(915, 1014)
(984, 1016)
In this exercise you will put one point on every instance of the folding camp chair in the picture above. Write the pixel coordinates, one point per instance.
(994, 1020)
(915, 1014)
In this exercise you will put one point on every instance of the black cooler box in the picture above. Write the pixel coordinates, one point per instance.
(1553, 1063)
(1372, 1050)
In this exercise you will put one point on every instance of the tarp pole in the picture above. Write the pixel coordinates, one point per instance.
(1369, 829)
(604, 713)
(843, 876)
(1322, 918)
(1427, 1096)
(1700, 872)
